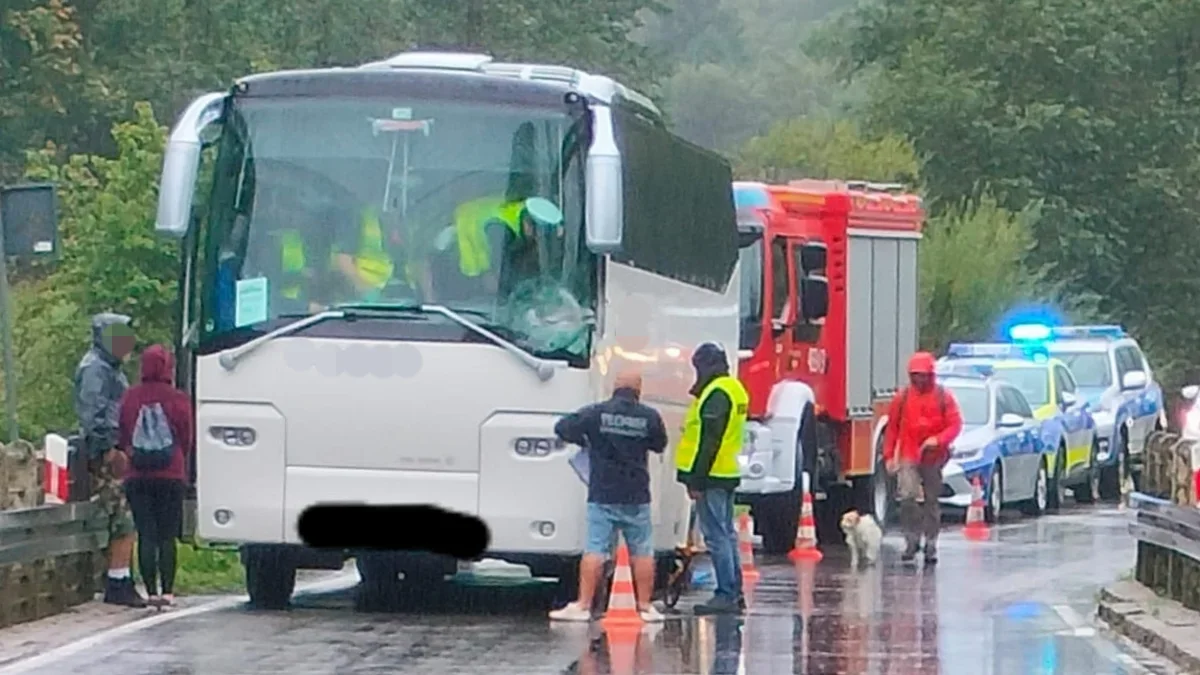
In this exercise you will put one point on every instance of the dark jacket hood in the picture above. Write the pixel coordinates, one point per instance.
(102, 321)
(158, 365)
(710, 362)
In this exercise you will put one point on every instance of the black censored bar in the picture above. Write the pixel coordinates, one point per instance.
(413, 527)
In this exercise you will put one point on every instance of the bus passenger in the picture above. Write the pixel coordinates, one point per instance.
(618, 434)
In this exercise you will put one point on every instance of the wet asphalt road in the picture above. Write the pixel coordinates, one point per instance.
(1018, 604)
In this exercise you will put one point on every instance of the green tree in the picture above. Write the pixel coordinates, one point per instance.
(821, 148)
(111, 261)
(974, 270)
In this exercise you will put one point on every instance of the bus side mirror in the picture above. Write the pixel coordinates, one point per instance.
(181, 163)
(605, 205)
(814, 297)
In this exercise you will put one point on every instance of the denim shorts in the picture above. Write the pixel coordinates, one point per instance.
(632, 521)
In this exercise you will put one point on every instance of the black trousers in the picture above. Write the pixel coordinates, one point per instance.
(157, 505)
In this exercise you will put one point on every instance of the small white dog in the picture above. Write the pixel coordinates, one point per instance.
(863, 536)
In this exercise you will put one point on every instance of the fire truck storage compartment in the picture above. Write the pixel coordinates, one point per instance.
(881, 308)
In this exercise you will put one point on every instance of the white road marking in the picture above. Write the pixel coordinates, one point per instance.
(341, 581)
(1076, 624)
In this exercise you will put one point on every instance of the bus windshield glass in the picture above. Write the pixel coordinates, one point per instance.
(475, 206)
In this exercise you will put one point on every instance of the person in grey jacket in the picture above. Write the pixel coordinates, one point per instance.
(99, 385)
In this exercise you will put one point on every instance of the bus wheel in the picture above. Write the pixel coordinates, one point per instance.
(270, 575)
(380, 585)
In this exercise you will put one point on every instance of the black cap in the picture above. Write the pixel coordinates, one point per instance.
(709, 356)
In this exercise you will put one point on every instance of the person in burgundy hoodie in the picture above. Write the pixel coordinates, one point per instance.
(156, 494)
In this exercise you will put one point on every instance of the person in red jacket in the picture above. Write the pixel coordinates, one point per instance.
(156, 432)
(923, 420)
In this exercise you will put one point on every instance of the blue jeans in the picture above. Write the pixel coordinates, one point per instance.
(715, 511)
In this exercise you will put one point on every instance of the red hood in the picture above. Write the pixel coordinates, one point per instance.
(922, 362)
(158, 365)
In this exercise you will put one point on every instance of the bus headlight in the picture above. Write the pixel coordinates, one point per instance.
(238, 437)
(537, 447)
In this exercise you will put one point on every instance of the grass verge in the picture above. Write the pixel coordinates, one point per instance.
(201, 571)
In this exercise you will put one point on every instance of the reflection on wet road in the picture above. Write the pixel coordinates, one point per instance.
(1019, 604)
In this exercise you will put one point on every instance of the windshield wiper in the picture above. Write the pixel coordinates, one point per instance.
(230, 357)
(543, 368)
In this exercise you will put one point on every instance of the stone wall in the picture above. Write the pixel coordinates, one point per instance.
(1168, 475)
(21, 470)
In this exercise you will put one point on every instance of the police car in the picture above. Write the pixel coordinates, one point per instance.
(1069, 431)
(1114, 379)
(1001, 445)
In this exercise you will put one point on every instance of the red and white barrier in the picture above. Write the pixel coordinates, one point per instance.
(56, 479)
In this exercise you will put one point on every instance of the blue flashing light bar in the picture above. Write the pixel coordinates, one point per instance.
(1030, 332)
(986, 350)
(972, 371)
(997, 350)
(1110, 332)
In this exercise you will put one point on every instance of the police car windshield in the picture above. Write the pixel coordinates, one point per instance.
(972, 403)
(1091, 369)
(1033, 382)
(478, 207)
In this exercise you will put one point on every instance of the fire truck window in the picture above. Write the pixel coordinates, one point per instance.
(779, 277)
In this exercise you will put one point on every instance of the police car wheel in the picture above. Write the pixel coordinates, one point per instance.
(1111, 476)
(1089, 490)
(1058, 490)
(995, 501)
(1041, 493)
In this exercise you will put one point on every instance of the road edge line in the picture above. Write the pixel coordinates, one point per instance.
(46, 658)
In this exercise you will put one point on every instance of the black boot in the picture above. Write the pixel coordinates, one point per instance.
(910, 553)
(122, 592)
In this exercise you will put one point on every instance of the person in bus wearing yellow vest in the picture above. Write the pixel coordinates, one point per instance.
(495, 232)
(363, 258)
(707, 463)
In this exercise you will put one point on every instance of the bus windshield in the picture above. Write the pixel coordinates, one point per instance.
(475, 206)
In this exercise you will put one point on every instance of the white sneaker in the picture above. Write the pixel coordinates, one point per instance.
(572, 612)
(651, 615)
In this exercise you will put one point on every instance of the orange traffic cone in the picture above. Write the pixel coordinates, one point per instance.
(746, 548)
(806, 531)
(976, 528)
(622, 603)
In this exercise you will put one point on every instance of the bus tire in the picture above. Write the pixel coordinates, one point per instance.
(270, 575)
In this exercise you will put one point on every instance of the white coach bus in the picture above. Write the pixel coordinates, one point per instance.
(344, 342)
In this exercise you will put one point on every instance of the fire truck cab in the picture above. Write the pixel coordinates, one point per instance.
(829, 319)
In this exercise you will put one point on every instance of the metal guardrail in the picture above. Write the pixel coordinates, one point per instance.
(27, 535)
(1165, 524)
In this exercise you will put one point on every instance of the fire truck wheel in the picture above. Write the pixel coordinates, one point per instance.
(270, 576)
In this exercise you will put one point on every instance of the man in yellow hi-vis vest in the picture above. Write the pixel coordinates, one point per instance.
(496, 239)
(363, 257)
(707, 463)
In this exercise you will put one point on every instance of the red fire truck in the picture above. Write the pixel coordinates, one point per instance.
(829, 319)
